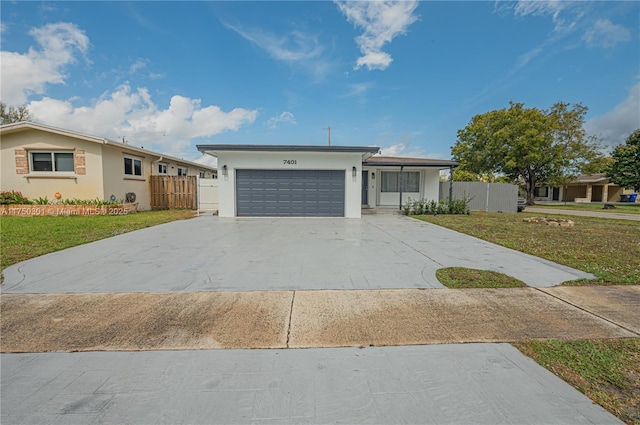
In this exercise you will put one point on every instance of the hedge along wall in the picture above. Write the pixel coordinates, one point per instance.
(66, 210)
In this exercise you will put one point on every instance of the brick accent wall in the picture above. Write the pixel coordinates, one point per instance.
(22, 161)
(79, 164)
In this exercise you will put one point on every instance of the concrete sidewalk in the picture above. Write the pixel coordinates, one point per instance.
(300, 319)
(482, 383)
(435, 384)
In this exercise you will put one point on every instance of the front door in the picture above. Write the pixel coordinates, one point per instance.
(365, 188)
(556, 194)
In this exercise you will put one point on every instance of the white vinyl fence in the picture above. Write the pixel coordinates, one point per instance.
(489, 197)
(207, 194)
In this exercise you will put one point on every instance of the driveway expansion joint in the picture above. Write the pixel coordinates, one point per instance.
(293, 297)
(586, 310)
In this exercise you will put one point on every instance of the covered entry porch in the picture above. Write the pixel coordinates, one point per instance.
(389, 182)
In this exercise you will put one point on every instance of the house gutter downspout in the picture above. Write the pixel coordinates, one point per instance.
(401, 175)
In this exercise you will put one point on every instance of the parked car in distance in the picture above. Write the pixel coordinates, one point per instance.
(522, 203)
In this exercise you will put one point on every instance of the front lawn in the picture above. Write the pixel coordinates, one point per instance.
(619, 208)
(22, 238)
(608, 248)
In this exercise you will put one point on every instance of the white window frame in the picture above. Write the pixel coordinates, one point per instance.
(202, 174)
(52, 154)
(405, 182)
(183, 171)
(133, 166)
(162, 168)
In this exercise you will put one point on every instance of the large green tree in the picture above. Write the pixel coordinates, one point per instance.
(9, 114)
(624, 170)
(527, 144)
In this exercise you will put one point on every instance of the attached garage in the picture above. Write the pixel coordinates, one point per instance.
(290, 193)
(289, 181)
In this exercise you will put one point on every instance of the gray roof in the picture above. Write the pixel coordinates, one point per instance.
(390, 161)
(213, 149)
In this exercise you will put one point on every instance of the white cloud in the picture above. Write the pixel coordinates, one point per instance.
(564, 14)
(381, 22)
(358, 90)
(122, 113)
(292, 47)
(404, 148)
(29, 73)
(137, 65)
(297, 48)
(606, 34)
(208, 160)
(132, 114)
(285, 117)
(615, 126)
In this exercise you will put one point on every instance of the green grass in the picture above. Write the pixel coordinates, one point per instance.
(461, 277)
(606, 371)
(22, 238)
(619, 208)
(610, 249)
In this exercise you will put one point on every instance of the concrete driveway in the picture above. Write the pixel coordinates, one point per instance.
(433, 384)
(213, 254)
(459, 384)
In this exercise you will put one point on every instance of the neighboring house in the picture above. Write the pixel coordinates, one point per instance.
(333, 181)
(39, 160)
(585, 188)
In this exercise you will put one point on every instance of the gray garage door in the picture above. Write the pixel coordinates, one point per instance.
(292, 193)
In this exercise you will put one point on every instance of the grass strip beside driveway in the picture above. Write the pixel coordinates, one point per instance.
(606, 371)
(608, 248)
(462, 277)
(22, 238)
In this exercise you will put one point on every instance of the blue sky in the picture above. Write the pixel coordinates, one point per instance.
(404, 76)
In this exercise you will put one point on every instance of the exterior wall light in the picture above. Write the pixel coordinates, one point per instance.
(373, 176)
(354, 172)
(224, 170)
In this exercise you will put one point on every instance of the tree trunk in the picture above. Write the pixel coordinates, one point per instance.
(531, 185)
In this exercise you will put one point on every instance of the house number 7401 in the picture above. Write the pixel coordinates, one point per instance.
(289, 161)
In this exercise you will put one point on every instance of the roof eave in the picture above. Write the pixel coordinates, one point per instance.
(214, 150)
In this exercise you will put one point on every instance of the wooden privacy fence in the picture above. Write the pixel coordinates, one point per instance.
(174, 192)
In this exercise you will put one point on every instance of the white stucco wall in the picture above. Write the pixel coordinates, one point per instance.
(276, 161)
(429, 187)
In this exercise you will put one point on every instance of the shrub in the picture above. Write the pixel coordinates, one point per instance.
(11, 197)
(41, 201)
(445, 206)
(406, 207)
